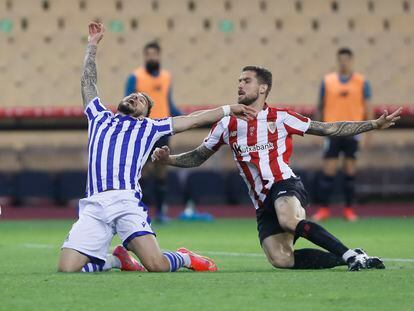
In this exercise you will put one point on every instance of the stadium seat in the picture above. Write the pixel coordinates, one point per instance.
(70, 185)
(7, 188)
(370, 181)
(175, 194)
(205, 187)
(62, 24)
(35, 187)
(352, 7)
(388, 8)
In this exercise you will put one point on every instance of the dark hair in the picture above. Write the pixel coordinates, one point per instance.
(150, 103)
(264, 76)
(152, 45)
(345, 51)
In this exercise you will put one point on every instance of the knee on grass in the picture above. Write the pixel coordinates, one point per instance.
(68, 267)
(282, 261)
(156, 264)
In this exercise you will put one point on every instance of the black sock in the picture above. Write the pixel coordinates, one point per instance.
(349, 190)
(309, 258)
(160, 191)
(325, 189)
(319, 236)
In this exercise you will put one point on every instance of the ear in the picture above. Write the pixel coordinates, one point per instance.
(263, 88)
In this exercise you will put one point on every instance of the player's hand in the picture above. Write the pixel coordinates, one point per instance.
(96, 32)
(243, 112)
(161, 155)
(385, 121)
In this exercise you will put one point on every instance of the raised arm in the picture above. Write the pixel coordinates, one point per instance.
(89, 73)
(347, 128)
(188, 159)
(206, 117)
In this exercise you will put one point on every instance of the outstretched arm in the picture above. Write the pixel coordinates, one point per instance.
(188, 159)
(205, 117)
(353, 128)
(89, 73)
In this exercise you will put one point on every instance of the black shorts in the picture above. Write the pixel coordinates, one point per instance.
(267, 222)
(336, 145)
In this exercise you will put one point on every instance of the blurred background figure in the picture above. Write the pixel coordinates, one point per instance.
(344, 95)
(157, 83)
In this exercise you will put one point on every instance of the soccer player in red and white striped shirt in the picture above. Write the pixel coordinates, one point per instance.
(261, 148)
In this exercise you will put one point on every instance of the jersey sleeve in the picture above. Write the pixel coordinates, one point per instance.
(295, 123)
(367, 90)
(95, 108)
(321, 99)
(215, 138)
(162, 127)
(130, 86)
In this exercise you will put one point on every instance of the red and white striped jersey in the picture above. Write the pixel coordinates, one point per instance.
(261, 147)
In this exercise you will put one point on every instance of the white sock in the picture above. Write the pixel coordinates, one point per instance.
(111, 262)
(187, 260)
(189, 208)
(348, 254)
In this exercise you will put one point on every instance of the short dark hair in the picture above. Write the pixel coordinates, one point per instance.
(152, 45)
(263, 75)
(345, 51)
(150, 103)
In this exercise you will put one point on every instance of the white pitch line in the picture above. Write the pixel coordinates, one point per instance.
(399, 259)
(262, 255)
(36, 245)
(229, 254)
(233, 254)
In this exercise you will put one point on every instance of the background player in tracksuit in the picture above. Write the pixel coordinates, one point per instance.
(344, 96)
(157, 83)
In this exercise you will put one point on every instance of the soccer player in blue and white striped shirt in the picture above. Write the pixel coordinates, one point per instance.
(118, 147)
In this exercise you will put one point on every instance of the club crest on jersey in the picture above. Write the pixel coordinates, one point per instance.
(271, 126)
(251, 130)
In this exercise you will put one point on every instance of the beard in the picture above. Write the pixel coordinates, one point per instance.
(125, 109)
(152, 66)
(248, 100)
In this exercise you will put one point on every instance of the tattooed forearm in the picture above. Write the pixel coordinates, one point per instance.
(89, 75)
(339, 128)
(192, 158)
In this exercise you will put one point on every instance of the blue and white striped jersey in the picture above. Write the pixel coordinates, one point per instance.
(118, 147)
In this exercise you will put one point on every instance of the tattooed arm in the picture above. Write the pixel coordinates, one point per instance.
(353, 128)
(339, 128)
(89, 74)
(191, 158)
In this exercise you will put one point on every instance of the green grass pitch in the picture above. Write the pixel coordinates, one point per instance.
(29, 251)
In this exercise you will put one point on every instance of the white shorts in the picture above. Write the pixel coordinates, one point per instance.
(103, 215)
